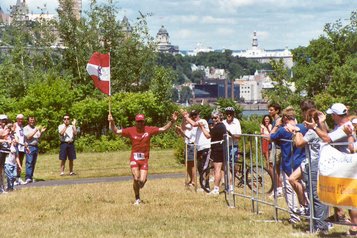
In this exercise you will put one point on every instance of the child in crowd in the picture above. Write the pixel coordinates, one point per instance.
(12, 160)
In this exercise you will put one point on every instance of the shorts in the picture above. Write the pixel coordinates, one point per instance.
(67, 150)
(190, 152)
(217, 156)
(141, 164)
(275, 152)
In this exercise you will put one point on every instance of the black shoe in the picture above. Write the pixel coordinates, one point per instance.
(339, 219)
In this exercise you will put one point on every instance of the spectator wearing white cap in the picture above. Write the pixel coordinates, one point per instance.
(20, 146)
(342, 134)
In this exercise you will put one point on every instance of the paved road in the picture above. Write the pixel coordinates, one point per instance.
(96, 180)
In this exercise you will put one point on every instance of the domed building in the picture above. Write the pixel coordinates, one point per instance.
(163, 42)
(264, 56)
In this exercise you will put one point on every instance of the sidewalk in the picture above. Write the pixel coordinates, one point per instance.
(95, 180)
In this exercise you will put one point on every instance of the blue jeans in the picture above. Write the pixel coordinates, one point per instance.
(10, 171)
(31, 159)
(320, 210)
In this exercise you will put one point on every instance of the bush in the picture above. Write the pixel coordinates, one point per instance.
(89, 143)
(179, 150)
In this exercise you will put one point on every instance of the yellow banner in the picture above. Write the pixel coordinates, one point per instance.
(339, 192)
(337, 185)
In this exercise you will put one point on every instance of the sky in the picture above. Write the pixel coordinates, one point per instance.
(228, 24)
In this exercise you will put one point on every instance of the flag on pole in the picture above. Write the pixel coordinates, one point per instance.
(98, 68)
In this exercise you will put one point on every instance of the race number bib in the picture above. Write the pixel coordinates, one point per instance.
(139, 156)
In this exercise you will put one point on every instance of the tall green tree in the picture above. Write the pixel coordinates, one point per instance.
(327, 65)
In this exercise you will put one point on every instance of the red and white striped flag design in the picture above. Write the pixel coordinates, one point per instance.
(98, 68)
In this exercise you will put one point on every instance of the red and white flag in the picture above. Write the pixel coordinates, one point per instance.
(98, 68)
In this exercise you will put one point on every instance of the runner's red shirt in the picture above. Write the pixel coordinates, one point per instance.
(140, 141)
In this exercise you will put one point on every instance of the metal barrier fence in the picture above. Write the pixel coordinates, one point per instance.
(249, 178)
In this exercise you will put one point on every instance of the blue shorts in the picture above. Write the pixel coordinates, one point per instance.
(190, 152)
(67, 150)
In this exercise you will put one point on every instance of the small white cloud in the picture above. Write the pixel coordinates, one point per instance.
(215, 20)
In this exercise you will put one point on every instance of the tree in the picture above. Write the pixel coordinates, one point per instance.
(327, 65)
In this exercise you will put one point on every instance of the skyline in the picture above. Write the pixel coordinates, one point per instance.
(228, 24)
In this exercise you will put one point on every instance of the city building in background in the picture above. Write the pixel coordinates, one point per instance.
(264, 56)
(163, 42)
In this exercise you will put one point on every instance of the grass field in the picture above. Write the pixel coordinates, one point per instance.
(109, 164)
(169, 209)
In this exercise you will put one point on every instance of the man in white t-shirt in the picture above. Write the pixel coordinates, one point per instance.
(202, 143)
(67, 133)
(233, 127)
(20, 138)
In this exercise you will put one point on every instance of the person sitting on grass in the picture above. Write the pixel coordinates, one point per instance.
(140, 136)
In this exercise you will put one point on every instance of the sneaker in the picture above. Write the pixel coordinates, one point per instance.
(302, 211)
(62, 174)
(294, 219)
(320, 232)
(21, 182)
(279, 193)
(72, 174)
(137, 202)
(213, 193)
(28, 181)
(340, 219)
(16, 183)
(2, 191)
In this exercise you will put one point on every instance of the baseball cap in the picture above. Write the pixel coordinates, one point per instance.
(337, 108)
(20, 116)
(3, 117)
(140, 117)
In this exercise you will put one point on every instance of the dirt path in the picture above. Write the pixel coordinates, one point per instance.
(95, 180)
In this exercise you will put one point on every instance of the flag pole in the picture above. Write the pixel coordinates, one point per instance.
(110, 93)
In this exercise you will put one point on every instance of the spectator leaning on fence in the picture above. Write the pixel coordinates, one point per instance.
(291, 159)
(217, 151)
(311, 142)
(275, 152)
(341, 134)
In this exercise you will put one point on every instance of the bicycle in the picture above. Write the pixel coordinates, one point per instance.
(257, 179)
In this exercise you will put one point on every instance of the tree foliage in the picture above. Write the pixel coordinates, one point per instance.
(327, 66)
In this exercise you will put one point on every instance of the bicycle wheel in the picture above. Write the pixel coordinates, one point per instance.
(207, 179)
(259, 179)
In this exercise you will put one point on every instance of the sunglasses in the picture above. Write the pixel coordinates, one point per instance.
(66, 118)
(214, 117)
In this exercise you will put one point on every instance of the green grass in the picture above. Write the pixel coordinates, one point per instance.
(107, 210)
(109, 164)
